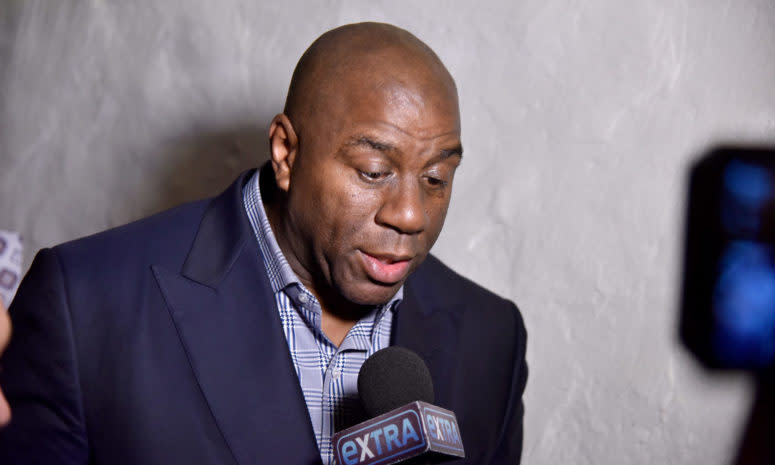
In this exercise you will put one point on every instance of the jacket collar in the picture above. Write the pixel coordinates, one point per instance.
(225, 314)
(222, 234)
(430, 327)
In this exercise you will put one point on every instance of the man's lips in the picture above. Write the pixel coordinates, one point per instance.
(386, 268)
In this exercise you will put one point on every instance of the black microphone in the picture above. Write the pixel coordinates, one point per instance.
(396, 389)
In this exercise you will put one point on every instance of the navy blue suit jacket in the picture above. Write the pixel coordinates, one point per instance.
(159, 343)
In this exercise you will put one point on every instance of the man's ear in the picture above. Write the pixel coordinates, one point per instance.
(283, 144)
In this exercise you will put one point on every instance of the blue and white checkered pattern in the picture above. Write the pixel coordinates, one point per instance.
(11, 250)
(328, 375)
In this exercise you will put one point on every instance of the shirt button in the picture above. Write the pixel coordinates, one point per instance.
(303, 298)
(337, 374)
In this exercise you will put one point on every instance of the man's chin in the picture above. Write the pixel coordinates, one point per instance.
(372, 293)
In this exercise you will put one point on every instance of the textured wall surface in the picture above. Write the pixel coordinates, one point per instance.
(579, 120)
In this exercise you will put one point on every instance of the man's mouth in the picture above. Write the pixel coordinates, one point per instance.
(386, 268)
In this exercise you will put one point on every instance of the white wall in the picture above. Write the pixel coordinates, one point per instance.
(579, 119)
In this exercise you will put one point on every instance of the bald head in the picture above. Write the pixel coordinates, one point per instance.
(364, 57)
(363, 161)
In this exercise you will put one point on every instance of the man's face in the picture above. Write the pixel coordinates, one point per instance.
(370, 186)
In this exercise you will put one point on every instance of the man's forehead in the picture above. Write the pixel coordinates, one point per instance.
(392, 71)
(391, 85)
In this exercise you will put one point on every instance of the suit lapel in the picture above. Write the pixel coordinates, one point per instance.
(422, 325)
(224, 310)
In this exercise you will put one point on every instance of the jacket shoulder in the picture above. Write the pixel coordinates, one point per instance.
(483, 311)
(163, 237)
(446, 286)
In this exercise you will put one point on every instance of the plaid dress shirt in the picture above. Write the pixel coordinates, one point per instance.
(327, 374)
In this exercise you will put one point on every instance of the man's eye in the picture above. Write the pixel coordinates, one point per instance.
(374, 175)
(435, 182)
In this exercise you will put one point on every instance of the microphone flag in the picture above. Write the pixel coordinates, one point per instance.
(408, 431)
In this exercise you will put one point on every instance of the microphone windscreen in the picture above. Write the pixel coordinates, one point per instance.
(393, 377)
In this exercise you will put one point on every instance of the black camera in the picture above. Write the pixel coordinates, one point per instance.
(728, 302)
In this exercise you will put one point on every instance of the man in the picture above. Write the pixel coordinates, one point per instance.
(231, 330)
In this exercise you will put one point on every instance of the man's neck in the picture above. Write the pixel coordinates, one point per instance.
(335, 328)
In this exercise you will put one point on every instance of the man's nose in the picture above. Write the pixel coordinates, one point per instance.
(403, 208)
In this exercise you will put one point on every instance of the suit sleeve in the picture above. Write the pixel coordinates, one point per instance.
(509, 450)
(40, 374)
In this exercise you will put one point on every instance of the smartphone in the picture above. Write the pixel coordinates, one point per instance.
(728, 300)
